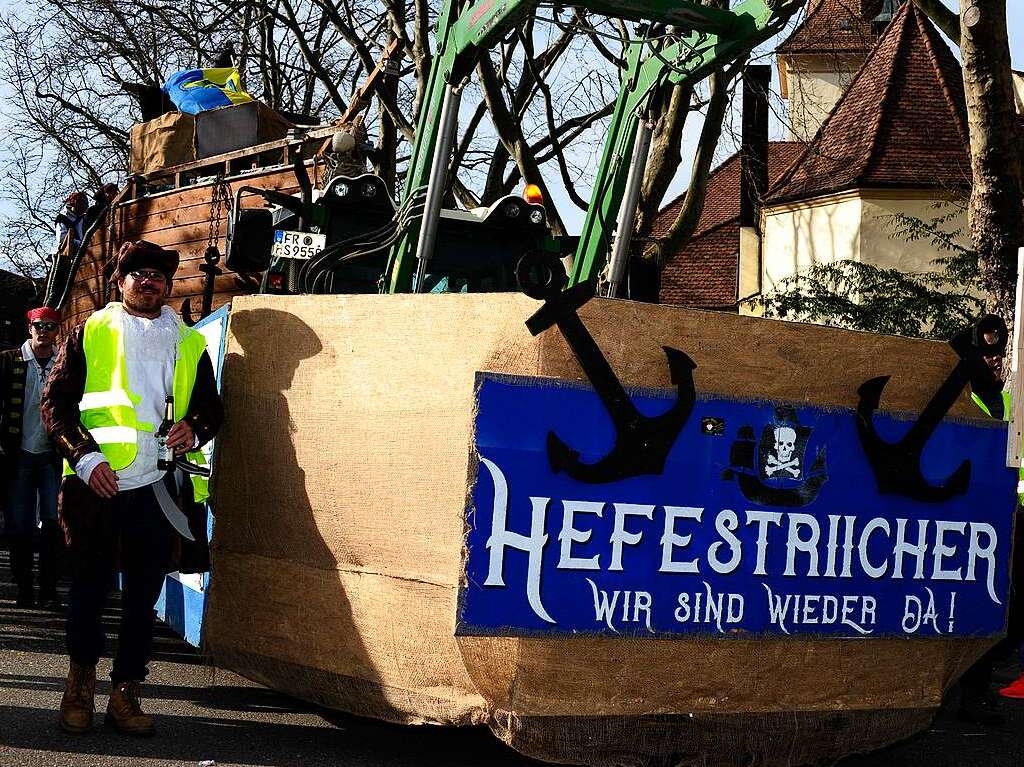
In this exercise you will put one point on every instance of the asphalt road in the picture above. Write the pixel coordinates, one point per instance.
(206, 714)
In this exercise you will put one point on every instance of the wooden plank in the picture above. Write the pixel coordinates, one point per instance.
(187, 282)
(194, 204)
(1016, 380)
(310, 142)
(200, 194)
(177, 219)
(175, 234)
(80, 311)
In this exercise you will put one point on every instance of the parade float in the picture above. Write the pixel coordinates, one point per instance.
(611, 531)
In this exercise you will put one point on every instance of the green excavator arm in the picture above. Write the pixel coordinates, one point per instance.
(717, 36)
(685, 62)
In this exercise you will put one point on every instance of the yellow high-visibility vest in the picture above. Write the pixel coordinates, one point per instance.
(1007, 403)
(108, 404)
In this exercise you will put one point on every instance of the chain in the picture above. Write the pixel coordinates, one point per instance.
(219, 203)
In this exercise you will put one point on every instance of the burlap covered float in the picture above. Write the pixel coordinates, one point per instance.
(343, 477)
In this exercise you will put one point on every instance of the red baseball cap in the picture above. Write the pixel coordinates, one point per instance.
(43, 314)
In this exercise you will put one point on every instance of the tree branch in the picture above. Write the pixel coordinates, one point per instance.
(685, 225)
(946, 20)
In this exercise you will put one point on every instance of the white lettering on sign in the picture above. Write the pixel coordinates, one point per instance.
(502, 538)
(635, 604)
(988, 553)
(796, 541)
(726, 524)
(790, 610)
(620, 537)
(670, 539)
(571, 535)
(721, 609)
(919, 612)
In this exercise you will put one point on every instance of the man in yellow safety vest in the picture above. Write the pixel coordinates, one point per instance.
(119, 510)
(977, 704)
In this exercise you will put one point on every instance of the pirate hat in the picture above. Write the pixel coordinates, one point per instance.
(143, 254)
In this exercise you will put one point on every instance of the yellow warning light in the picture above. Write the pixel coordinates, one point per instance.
(533, 195)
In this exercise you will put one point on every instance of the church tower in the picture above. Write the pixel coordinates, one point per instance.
(818, 61)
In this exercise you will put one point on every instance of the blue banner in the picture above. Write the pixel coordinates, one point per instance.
(765, 521)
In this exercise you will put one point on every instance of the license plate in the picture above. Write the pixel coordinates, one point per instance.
(302, 245)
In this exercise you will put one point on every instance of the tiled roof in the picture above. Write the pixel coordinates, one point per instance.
(12, 284)
(834, 26)
(901, 123)
(17, 294)
(705, 273)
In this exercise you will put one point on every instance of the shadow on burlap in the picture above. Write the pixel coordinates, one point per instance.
(340, 499)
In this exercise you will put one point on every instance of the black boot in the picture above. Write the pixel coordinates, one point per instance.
(21, 568)
(982, 708)
(51, 550)
(978, 705)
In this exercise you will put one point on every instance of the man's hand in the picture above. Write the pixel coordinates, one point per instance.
(103, 481)
(181, 438)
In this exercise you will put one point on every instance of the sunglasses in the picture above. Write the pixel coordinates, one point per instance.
(140, 275)
(49, 327)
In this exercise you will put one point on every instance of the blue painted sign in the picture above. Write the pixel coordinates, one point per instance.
(765, 521)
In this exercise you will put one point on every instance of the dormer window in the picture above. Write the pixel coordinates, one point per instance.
(845, 24)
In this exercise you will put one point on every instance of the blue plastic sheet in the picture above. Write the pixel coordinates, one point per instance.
(197, 90)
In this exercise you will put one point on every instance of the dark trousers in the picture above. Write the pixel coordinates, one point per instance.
(32, 489)
(146, 541)
(978, 678)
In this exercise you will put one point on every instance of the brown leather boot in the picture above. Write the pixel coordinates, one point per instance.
(76, 707)
(124, 710)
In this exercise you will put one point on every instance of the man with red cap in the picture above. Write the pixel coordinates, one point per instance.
(31, 468)
(119, 509)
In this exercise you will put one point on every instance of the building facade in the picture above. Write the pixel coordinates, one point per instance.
(888, 141)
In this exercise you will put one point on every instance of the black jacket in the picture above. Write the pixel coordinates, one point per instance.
(12, 399)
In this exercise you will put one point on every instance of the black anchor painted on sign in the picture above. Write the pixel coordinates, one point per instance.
(642, 443)
(897, 467)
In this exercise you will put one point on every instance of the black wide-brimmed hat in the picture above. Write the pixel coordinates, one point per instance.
(143, 254)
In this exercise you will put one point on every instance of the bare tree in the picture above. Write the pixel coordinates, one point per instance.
(675, 106)
(72, 113)
(534, 112)
(994, 212)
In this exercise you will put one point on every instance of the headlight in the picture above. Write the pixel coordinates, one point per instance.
(368, 190)
(511, 210)
(537, 217)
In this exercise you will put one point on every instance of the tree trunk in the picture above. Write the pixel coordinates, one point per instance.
(683, 227)
(994, 213)
(510, 133)
(666, 144)
(387, 143)
(664, 158)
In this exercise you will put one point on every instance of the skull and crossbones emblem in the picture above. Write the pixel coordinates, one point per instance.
(783, 460)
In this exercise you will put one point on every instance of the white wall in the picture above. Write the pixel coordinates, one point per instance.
(854, 225)
(801, 235)
(879, 248)
(813, 86)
